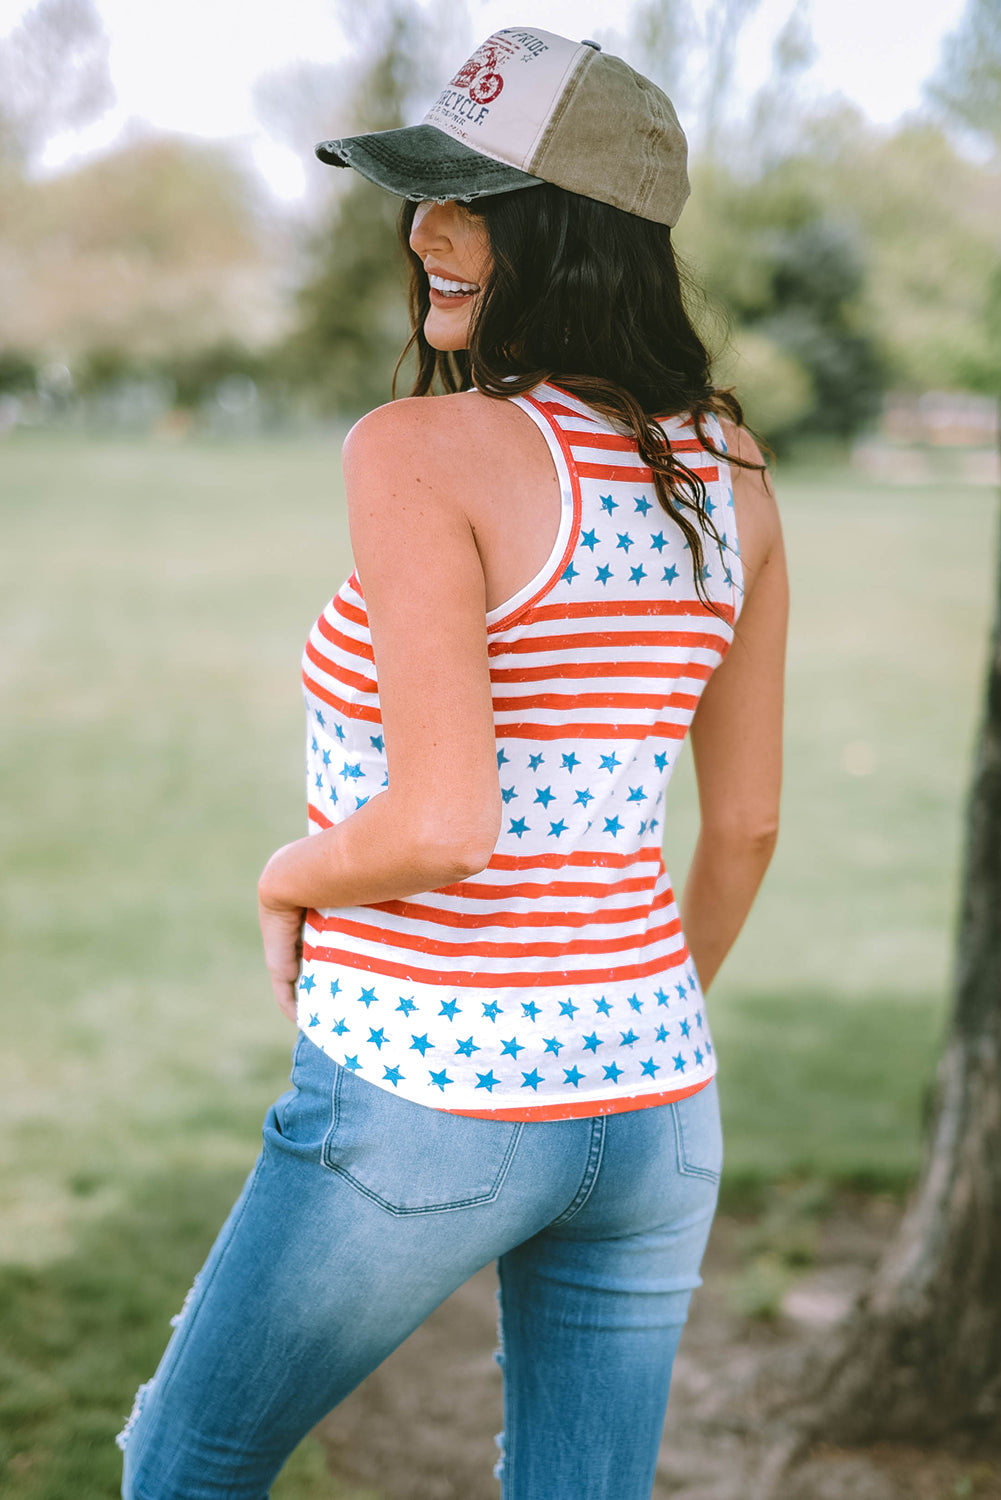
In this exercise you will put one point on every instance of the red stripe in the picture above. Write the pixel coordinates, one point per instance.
(577, 858)
(414, 911)
(350, 611)
(569, 701)
(533, 890)
(346, 642)
(609, 858)
(662, 729)
(576, 1109)
(627, 607)
(559, 410)
(350, 679)
(595, 640)
(601, 669)
(349, 710)
(612, 441)
(638, 473)
(417, 943)
(464, 978)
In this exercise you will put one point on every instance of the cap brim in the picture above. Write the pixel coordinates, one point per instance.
(420, 162)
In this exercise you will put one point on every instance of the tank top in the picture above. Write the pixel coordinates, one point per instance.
(556, 983)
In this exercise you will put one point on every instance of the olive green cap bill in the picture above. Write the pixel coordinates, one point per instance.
(530, 107)
(421, 162)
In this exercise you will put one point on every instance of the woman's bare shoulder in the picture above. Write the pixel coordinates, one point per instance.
(464, 415)
(758, 524)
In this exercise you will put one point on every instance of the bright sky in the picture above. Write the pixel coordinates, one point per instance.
(190, 65)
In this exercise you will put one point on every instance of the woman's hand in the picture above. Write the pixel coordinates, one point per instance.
(281, 929)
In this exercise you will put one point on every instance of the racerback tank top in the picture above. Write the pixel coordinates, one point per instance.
(556, 983)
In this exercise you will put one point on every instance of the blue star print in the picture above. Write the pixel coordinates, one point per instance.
(466, 1048)
(650, 1068)
(589, 539)
(570, 762)
(393, 1075)
(555, 829)
(602, 1007)
(584, 796)
(340, 1027)
(567, 1008)
(670, 574)
(530, 1009)
(368, 997)
(352, 1063)
(307, 982)
(613, 826)
(518, 826)
(532, 1080)
(607, 503)
(570, 572)
(512, 1048)
(314, 1020)
(638, 573)
(507, 792)
(450, 1008)
(603, 574)
(625, 541)
(659, 541)
(487, 1081)
(593, 1042)
(679, 1064)
(613, 1072)
(440, 1080)
(636, 794)
(573, 1075)
(641, 505)
(421, 1044)
(406, 1005)
(492, 1010)
(545, 795)
(377, 1036)
(628, 1037)
(553, 1044)
(609, 762)
(534, 762)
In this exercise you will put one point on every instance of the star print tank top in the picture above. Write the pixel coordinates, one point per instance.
(556, 983)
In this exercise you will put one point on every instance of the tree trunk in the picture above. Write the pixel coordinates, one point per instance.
(921, 1355)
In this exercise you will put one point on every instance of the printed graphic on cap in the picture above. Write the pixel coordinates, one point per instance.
(502, 99)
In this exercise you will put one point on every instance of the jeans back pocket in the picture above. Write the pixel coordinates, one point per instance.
(410, 1158)
(699, 1133)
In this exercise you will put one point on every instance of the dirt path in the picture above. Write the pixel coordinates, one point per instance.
(422, 1427)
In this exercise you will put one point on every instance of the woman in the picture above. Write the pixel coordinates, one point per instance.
(504, 1052)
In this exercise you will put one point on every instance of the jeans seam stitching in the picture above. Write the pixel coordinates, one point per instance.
(592, 1167)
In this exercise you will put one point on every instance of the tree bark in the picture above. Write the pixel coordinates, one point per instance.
(920, 1357)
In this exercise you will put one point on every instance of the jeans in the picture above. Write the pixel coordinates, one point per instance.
(365, 1211)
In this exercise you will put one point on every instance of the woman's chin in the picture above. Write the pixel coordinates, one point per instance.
(445, 332)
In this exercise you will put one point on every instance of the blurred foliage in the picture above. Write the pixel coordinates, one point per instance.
(157, 246)
(53, 76)
(352, 306)
(844, 259)
(968, 83)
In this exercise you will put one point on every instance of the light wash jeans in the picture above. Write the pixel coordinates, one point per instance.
(365, 1211)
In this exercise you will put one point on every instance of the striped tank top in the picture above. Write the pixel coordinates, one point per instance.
(556, 983)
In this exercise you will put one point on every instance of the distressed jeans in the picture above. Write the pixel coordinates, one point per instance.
(365, 1211)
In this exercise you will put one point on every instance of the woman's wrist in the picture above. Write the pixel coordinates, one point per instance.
(274, 887)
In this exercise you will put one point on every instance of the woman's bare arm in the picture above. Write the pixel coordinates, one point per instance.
(737, 735)
(416, 556)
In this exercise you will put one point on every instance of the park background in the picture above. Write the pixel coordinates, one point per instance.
(188, 324)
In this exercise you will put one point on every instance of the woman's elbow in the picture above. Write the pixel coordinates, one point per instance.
(755, 835)
(454, 851)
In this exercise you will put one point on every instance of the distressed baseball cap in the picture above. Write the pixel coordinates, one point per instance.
(529, 107)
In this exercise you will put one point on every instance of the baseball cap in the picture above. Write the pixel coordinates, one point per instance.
(531, 107)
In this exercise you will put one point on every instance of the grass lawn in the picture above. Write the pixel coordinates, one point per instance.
(155, 599)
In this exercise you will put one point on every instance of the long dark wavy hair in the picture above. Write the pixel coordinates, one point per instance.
(590, 298)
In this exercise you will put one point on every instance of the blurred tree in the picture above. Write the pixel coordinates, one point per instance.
(921, 1356)
(352, 307)
(53, 76)
(156, 247)
(790, 274)
(968, 83)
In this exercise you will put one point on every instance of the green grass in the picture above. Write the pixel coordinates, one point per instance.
(155, 599)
